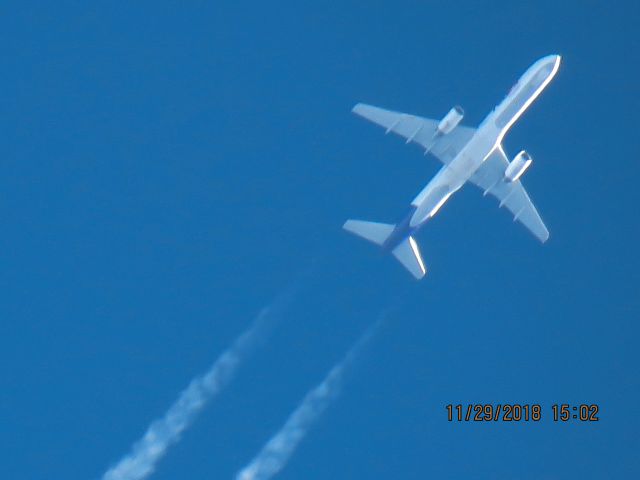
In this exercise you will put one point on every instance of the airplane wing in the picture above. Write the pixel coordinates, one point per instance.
(490, 178)
(418, 130)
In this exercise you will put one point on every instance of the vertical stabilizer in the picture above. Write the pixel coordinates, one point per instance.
(408, 255)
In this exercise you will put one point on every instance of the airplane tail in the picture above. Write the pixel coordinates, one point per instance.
(374, 232)
(407, 252)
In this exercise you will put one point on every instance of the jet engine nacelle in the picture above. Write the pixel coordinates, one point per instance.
(517, 167)
(450, 120)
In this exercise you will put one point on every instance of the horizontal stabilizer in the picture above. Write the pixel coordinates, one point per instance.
(408, 255)
(372, 231)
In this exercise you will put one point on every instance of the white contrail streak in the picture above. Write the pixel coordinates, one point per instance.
(277, 451)
(141, 461)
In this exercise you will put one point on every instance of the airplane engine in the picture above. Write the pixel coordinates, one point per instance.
(450, 120)
(517, 167)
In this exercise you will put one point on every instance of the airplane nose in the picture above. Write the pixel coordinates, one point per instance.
(556, 63)
(548, 66)
(554, 60)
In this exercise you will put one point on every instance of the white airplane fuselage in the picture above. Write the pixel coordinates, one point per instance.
(486, 139)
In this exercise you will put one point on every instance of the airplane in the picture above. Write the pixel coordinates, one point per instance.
(469, 154)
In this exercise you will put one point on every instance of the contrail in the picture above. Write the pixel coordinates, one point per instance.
(141, 461)
(277, 451)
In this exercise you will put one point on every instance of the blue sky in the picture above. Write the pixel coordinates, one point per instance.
(169, 167)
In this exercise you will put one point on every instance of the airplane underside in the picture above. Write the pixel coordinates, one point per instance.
(473, 155)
